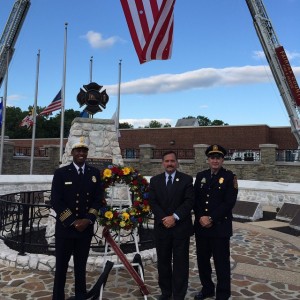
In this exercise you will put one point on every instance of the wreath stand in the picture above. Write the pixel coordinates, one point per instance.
(135, 268)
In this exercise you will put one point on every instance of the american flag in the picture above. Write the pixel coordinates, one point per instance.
(54, 105)
(150, 23)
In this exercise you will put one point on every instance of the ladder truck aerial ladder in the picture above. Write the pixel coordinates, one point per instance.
(279, 64)
(10, 34)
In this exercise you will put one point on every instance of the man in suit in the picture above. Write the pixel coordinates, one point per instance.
(171, 199)
(76, 197)
(215, 196)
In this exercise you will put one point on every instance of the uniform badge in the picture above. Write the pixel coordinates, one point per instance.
(203, 180)
(94, 179)
(221, 180)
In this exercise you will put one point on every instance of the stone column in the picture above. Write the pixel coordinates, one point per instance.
(146, 154)
(268, 154)
(267, 169)
(8, 153)
(102, 137)
(200, 157)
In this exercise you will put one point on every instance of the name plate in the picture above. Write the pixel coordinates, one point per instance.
(99, 163)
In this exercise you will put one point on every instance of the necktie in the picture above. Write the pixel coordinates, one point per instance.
(169, 183)
(80, 172)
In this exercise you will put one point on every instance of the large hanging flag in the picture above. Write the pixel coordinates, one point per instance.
(150, 23)
(1, 108)
(28, 120)
(54, 105)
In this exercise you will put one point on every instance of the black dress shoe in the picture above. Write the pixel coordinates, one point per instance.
(201, 296)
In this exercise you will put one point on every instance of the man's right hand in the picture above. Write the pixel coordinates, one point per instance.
(205, 221)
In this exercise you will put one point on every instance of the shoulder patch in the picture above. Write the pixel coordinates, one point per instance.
(235, 182)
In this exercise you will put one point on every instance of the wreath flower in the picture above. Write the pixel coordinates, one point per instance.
(128, 218)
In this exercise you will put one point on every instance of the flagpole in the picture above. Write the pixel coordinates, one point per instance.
(34, 112)
(4, 111)
(62, 117)
(119, 99)
(91, 69)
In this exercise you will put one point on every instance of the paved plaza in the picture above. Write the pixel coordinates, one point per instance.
(265, 265)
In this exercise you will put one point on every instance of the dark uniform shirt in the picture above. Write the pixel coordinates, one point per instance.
(215, 196)
(75, 197)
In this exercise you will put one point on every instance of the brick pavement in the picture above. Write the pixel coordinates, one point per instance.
(265, 265)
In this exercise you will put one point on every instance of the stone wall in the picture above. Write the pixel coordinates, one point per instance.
(265, 192)
(13, 164)
(266, 169)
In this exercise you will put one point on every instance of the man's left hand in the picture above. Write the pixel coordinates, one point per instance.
(169, 221)
(81, 224)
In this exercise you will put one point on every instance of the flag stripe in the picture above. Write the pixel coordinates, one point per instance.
(150, 23)
(53, 106)
(131, 15)
(160, 35)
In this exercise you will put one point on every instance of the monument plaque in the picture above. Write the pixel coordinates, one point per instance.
(288, 211)
(247, 210)
(99, 163)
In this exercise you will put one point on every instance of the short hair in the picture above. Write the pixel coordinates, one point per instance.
(169, 152)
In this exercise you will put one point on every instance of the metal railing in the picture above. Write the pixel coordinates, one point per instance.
(243, 155)
(288, 155)
(26, 151)
(24, 217)
(181, 153)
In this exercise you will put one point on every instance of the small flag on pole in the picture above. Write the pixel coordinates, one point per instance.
(54, 105)
(28, 120)
(84, 114)
(151, 27)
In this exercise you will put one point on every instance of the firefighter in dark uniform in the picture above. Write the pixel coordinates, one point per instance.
(76, 197)
(216, 192)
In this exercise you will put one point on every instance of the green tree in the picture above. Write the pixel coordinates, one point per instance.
(14, 116)
(125, 125)
(167, 125)
(154, 124)
(46, 126)
(204, 121)
(218, 123)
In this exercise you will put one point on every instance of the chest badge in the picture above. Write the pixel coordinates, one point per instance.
(94, 179)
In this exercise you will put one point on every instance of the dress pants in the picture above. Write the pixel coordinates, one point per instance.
(218, 248)
(173, 266)
(64, 249)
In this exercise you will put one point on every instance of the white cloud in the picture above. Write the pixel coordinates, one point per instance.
(14, 99)
(96, 40)
(197, 79)
(145, 122)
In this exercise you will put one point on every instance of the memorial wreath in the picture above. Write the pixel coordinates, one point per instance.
(128, 218)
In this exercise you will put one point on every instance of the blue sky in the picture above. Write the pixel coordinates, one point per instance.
(217, 68)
